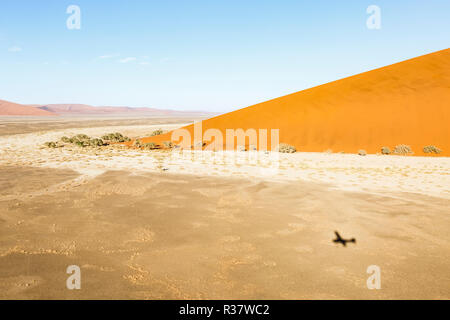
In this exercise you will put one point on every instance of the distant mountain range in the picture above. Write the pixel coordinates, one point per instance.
(15, 109)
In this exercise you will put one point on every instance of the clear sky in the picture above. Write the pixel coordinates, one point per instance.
(202, 55)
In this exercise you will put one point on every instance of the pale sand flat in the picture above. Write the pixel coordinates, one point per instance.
(248, 239)
(217, 225)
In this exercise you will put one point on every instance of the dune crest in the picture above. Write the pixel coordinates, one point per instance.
(404, 103)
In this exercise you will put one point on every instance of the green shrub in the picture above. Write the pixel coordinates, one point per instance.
(50, 144)
(286, 148)
(115, 137)
(82, 137)
(402, 149)
(96, 142)
(81, 143)
(157, 132)
(168, 144)
(432, 149)
(83, 140)
(385, 150)
(150, 146)
(137, 143)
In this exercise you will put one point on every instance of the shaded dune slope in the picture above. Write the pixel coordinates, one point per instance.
(404, 103)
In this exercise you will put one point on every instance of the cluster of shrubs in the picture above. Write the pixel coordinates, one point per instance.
(403, 149)
(151, 145)
(83, 140)
(115, 137)
(157, 132)
(146, 146)
(168, 144)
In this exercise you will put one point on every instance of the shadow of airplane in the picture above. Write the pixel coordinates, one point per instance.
(339, 239)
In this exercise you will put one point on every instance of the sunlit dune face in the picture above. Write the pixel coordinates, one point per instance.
(405, 103)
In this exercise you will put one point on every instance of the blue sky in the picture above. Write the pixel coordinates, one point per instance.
(202, 55)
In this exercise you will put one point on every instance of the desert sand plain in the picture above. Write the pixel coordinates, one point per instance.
(148, 225)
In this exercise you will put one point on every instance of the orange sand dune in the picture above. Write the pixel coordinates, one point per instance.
(404, 103)
(14, 109)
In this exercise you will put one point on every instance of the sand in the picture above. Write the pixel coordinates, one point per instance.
(404, 103)
(158, 225)
(371, 173)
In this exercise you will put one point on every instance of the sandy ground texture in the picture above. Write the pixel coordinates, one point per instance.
(163, 225)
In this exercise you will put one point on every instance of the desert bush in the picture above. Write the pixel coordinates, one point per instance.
(82, 144)
(157, 132)
(121, 138)
(402, 149)
(50, 144)
(96, 142)
(168, 144)
(362, 152)
(115, 137)
(432, 149)
(385, 150)
(137, 143)
(286, 148)
(150, 146)
(81, 140)
(82, 137)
